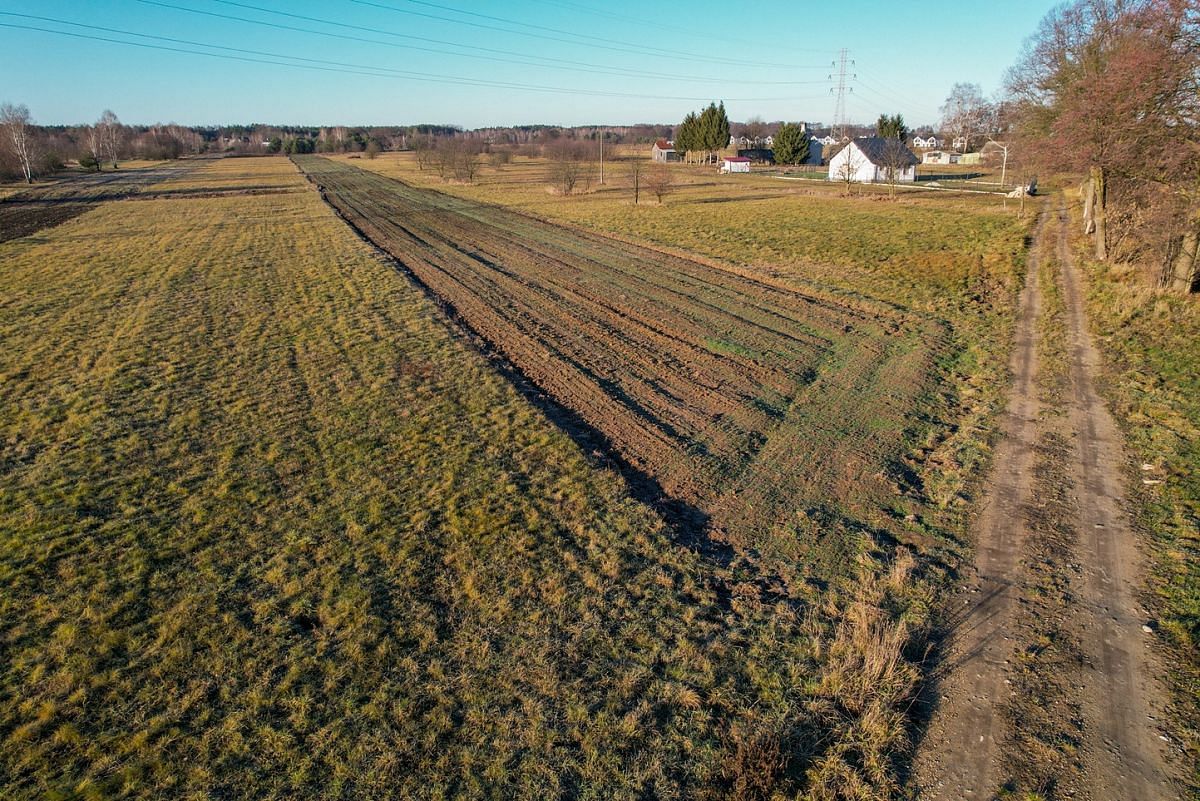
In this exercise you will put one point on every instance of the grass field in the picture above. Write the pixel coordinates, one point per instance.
(269, 528)
(1151, 341)
(886, 373)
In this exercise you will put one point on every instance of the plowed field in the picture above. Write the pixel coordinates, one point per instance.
(771, 412)
(47, 205)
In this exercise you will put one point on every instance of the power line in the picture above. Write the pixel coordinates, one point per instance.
(616, 45)
(564, 64)
(260, 57)
(887, 93)
(641, 22)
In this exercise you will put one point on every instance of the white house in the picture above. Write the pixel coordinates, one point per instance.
(735, 164)
(826, 140)
(871, 159)
(939, 157)
(959, 144)
(922, 142)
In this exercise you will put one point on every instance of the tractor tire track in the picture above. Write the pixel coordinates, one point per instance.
(957, 761)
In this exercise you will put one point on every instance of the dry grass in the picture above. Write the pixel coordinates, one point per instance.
(270, 529)
(955, 263)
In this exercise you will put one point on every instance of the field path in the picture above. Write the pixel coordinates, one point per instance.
(1121, 755)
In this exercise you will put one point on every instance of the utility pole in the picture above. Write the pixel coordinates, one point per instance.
(839, 113)
(602, 157)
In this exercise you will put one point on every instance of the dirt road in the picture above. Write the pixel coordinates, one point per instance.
(1116, 752)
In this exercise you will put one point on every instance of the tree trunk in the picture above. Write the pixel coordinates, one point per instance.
(1186, 269)
(1098, 179)
(1088, 188)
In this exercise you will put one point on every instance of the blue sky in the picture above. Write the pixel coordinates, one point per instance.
(476, 63)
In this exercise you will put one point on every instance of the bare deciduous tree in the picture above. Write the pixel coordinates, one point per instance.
(110, 135)
(848, 166)
(423, 148)
(660, 181)
(1109, 89)
(500, 156)
(896, 159)
(569, 165)
(18, 136)
(636, 167)
(963, 112)
(754, 129)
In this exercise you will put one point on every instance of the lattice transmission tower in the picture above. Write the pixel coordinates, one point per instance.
(843, 65)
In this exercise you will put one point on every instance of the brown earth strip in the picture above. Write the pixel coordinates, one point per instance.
(47, 205)
(1122, 700)
(718, 386)
(957, 759)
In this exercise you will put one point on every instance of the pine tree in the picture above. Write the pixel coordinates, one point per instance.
(891, 127)
(791, 144)
(687, 134)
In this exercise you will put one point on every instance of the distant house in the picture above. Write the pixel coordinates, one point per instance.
(922, 142)
(663, 151)
(735, 164)
(939, 157)
(870, 159)
(959, 143)
(825, 140)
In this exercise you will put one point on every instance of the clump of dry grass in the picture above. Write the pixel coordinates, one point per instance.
(868, 682)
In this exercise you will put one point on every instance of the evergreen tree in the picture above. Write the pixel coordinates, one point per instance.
(687, 134)
(714, 129)
(891, 127)
(791, 144)
(708, 132)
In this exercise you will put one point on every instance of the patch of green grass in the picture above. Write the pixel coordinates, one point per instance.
(717, 345)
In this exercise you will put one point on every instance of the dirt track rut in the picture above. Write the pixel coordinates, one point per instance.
(1121, 755)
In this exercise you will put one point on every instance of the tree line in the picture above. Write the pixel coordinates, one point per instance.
(703, 135)
(1110, 89)
(28, 150)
